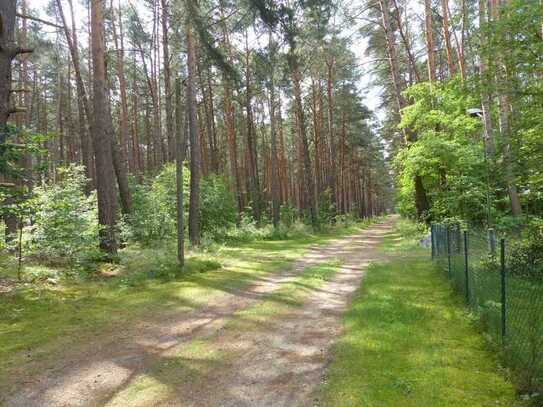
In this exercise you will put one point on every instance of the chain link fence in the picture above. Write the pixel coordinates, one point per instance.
(509, 303)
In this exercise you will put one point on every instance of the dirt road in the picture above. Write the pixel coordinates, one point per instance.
(194, 359)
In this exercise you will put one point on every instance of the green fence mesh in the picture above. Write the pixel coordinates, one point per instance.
(509, 304)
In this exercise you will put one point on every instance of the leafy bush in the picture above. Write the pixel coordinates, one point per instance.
(326, 208)
(153, 217)
(526, 257)
(65, 226)
(217, 205)
(410, 229)
(289, 214)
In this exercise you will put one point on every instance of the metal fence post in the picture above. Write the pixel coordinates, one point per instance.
(449, 251)
(492, 241)
(466, 264)
(503, 289)
(458, 233)
(432, 237)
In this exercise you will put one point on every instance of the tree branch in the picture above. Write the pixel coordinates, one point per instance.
(39, 20)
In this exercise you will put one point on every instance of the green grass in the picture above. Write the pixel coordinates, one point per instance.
(38, 321)
(409, 341)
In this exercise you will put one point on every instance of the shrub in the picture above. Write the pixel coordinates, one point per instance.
(526, 256)
(217, 205)
(65, 226)
(326, 208)
(153, 217)
(289, 214)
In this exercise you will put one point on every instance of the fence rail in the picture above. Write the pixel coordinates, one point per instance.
(509, 305)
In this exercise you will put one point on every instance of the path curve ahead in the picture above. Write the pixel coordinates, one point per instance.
(281, 363)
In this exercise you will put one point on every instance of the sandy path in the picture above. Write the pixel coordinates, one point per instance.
(279, 364)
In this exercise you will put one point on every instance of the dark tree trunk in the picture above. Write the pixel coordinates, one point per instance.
(275, 186)
(168, 82)
(180, 148)
(308, 182)
(251, 141)
(82, 99)
(103, 136)
(8, 51)
(7, 54)
(194, 204)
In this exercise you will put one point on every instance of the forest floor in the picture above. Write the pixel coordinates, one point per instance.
(291, 336)
(263, 343)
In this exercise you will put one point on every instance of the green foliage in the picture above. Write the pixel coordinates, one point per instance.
(15, 145)
(448, 153)
(153, 217)
(217, 204)
(65, 221)
(154, 207)
(412, 231)
(326, 208)
(526, 256)
(288, 214)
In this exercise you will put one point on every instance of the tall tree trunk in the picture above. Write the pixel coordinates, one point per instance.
(316, 141)
(83, 107)
(167, 81)
(308, 182)
(333, 167)
(283, 167)
(251, 141)
(8, 51)
(397, 83)
(421, 199)
(102, 133)
(405, 38)
(194, 204)
(486, 81)
(447, 38)
(504, 105)
(275, 178)
(180, 148)
(429, 33)
(119, 149)
(207, 103)
(124, 122)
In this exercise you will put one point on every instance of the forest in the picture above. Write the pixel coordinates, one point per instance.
(158, 139)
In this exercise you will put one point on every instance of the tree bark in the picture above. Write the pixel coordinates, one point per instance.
(251, 141)
(168, 82)
(119, 149)
(124, 122)
(7, 45)
(504, 105)
(485, 82)
(405, 40)
(392, 56)
(308, 182)
(275, 178)
(102, 134)
(180, 148)
(83, 107)
(333, 168)
(7, 54)
(194, 204)
(429, 33)
(446, 37)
